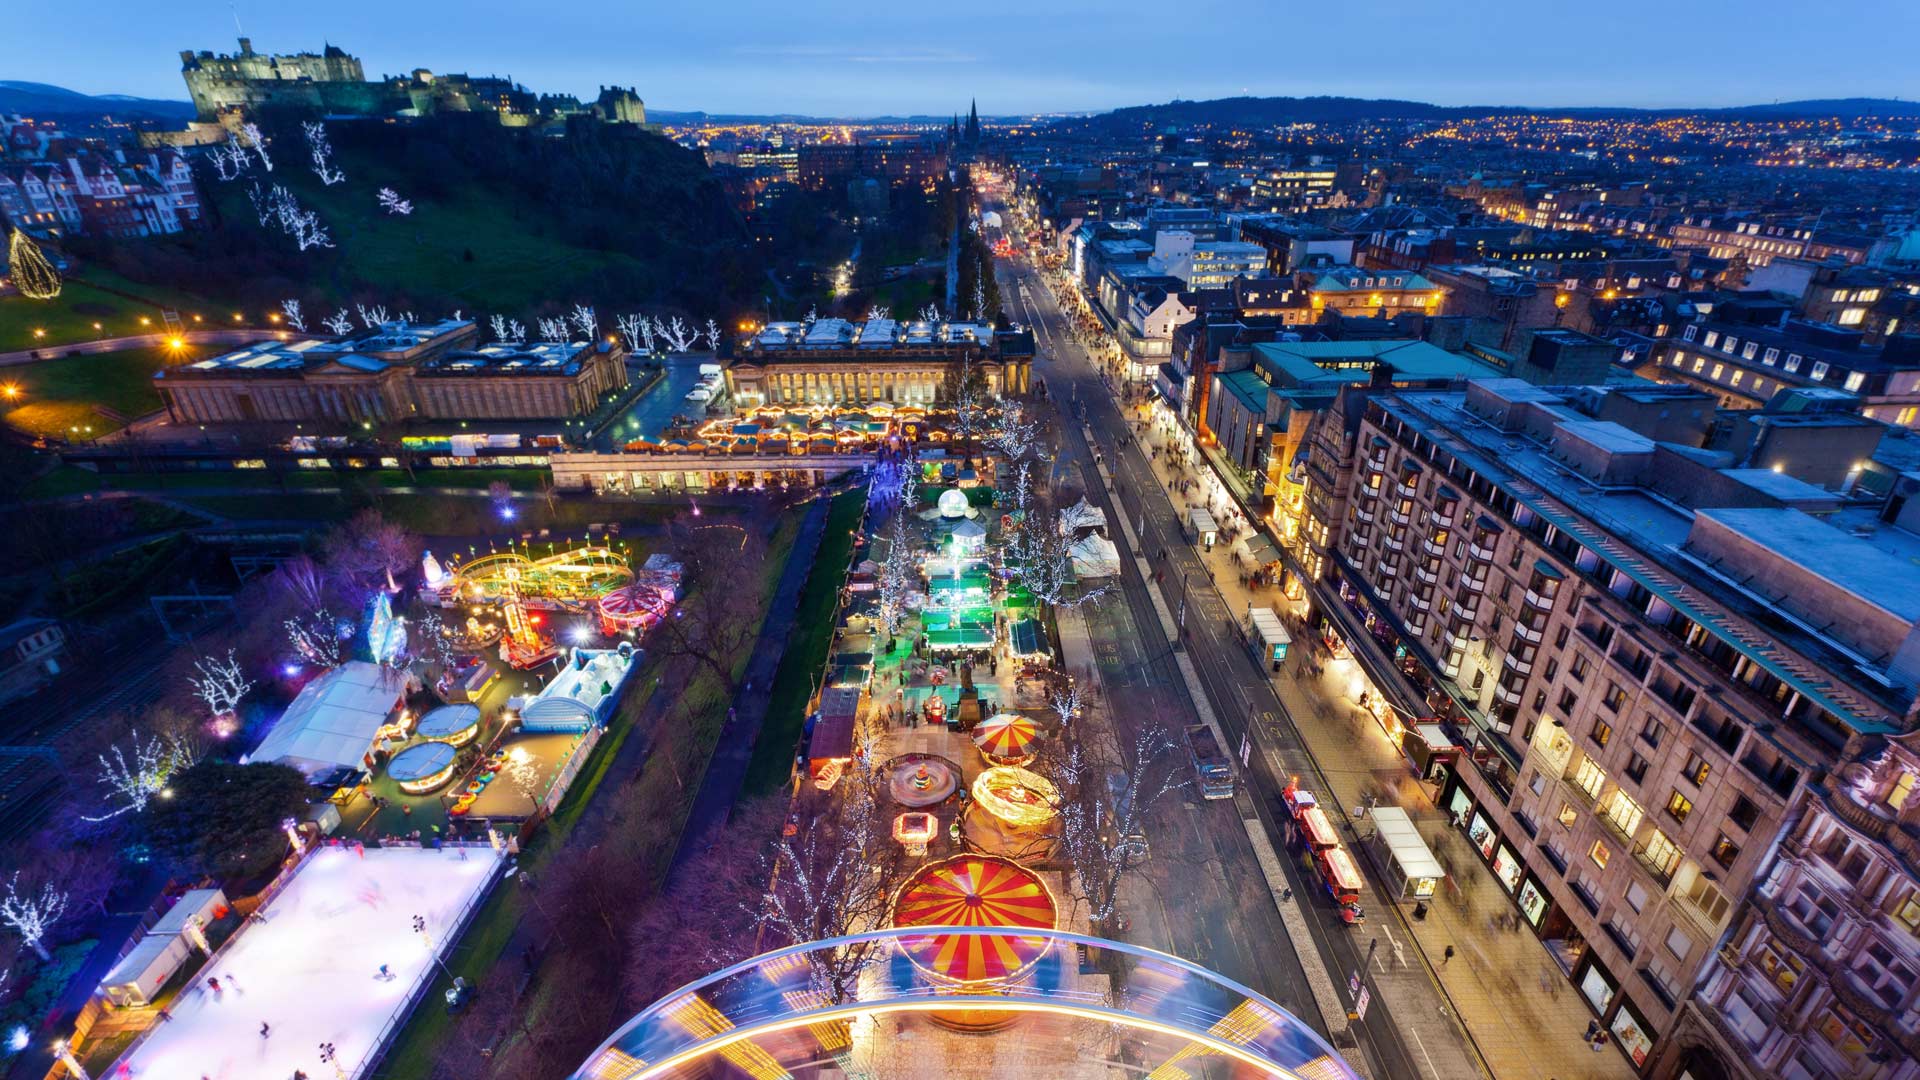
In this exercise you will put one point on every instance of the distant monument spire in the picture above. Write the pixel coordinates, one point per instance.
(973, 121)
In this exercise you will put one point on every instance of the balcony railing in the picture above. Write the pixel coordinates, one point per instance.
(1392, 544)
(1431, 548)
(1363, 512)
(1544, 603)
(1484, 554)
(1527, 633)
(1663, 875)
(1419, 602)
(1431, 577)
(1515, 664)
(1476, 584)
(1399, 518)
(1505, 696)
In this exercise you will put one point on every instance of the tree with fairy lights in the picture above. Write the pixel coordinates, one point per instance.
(637, 331)
(1107, 783)
(32, 274)
(32, 913)
(133, 783)
(295, 319)
(553, 329)
(1066, 702)
(1041, 556)
(678, 335)
(321, 151)
(371, 317)
(339, 323)
(392, 203)
(1016, 437)
(833, 878)
(899, 574)
(220, 684)
(586, 321)
(258, 143)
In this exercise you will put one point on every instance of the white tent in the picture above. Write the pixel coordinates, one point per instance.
(333, 720)
(1081, 515)
(1095, 557)
(144, 970)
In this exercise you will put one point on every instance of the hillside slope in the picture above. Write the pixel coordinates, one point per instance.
(504, 220)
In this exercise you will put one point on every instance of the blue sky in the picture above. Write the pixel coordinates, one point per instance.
(865, 57)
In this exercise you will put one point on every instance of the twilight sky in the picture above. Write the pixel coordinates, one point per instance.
(867, 57)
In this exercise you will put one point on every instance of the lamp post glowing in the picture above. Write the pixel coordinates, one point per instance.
(420, 927)
(63, 1050)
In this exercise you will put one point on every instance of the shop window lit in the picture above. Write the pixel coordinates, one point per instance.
(1589, 777)
(1568, 816)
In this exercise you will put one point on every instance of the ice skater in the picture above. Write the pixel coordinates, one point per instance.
(265, 1029)
(384, 974)
(213, 984)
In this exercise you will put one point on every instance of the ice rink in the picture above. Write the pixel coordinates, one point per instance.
(311, 970)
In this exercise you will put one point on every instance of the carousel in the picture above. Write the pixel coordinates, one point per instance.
(1014, 813)
(423, 768)
(974, 890)
(1007, 738)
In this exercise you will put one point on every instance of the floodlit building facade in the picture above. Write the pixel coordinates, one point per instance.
(1658, 664)
(837, 362)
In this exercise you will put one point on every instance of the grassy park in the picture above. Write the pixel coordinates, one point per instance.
(94, 304)
(51, 397)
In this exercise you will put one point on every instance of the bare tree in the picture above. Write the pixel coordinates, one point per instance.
(258, 143)
(1107, 785)
(321, 151)
(899, 573)
(553, 329)
(219, 683)
(32, 914)
(679, 336)
(338, 323)
(367, 550)
(132, 784)
(832, 878)
(718, 617)
(586, 320)
(372, 317)
(392, 203)
(1016, 436)
(223, 167)
(635, 329)
(713, 335)
(1067, 703)
(291, 308)
(1040, 556)
(930, 313)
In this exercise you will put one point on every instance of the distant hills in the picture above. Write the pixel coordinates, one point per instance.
(1260, 112)
(40, 99)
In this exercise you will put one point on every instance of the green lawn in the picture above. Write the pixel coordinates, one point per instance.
(85, 300)
(53, 396)
(476, 244)
(806, 653)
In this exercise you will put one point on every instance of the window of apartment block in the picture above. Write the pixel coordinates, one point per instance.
(1882, 974)
(1749, 1015)
(1568, 699)
(1589, 777)
(1897, 794)
(1560, 639)
(1689, 332)
(1679, 944)
(1653, 733)
(1615, 698)
(1793, 361)
(1537, 784)
(1819, 372)
(1552, 669)
(1581, 665)
(1845, 1034)
(1771, 357)
(1568, 815)
(1678, 807)
(1602, 732)
(1812, 910)
(1599, 853)
(1636, 895)
(1909, 912)
(1636, 768)
(1623, 812)
(1696, 770)
(1725, 851)
(1744, 813)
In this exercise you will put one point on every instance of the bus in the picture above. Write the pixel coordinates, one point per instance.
(1210, 763)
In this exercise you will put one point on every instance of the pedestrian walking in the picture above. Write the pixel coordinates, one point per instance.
(265, 1029)
(1446, 957)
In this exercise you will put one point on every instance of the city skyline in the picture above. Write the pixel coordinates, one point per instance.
(870, 60)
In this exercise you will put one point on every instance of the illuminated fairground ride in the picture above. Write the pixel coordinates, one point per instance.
(768, 1019)
(523, 590)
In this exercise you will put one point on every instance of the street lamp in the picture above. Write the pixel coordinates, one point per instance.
(330, 1056)
(63, 1050)
(420, 927)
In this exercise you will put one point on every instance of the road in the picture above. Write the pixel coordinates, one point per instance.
(1251, 945)
(137, 341)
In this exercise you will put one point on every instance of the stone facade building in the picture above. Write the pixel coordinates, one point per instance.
(397, 373)
(836, 362)
(1656, 665)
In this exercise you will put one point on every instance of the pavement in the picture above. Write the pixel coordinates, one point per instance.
(1500, 1006)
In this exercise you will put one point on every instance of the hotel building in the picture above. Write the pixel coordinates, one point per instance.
(1656, 665)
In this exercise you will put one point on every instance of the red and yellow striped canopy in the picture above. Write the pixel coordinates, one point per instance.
(974, 890)
(1006, 735)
